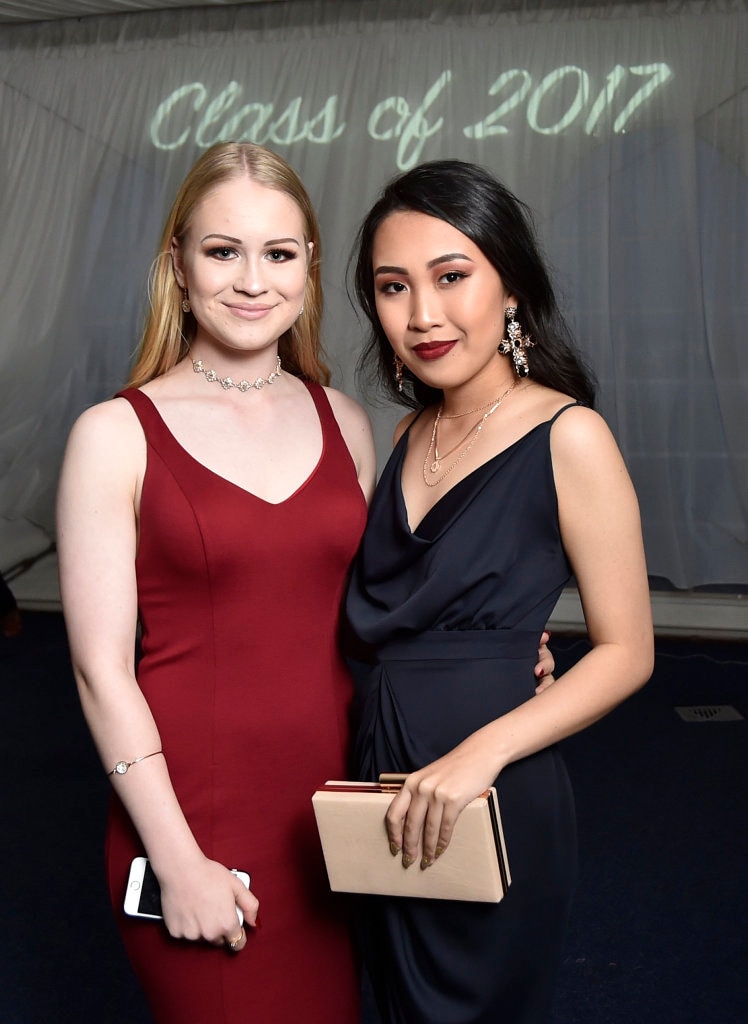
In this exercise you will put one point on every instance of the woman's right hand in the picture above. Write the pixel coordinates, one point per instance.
(200, 904)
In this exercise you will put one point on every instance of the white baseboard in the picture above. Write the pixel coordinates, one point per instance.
(682, 614)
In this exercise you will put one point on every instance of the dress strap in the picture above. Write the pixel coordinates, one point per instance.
(417, 416)
(158, 436)
(570, 405)
(332, 436)
(322, 404)
(143, 407)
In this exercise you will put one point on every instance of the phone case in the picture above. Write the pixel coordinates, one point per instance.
(143, 897)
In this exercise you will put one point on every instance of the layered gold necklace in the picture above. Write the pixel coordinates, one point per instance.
(432, 466)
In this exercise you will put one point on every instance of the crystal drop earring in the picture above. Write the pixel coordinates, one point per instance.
(515, 343)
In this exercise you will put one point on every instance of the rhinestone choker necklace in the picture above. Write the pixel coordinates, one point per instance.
(244, 385)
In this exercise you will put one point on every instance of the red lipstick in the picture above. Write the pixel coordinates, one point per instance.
(433, 349)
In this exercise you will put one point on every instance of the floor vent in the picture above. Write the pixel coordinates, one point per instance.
(710, 713)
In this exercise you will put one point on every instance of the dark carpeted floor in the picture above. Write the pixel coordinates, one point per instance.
(658, 929)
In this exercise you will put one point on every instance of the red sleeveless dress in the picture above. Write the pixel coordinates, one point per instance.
(239, 604)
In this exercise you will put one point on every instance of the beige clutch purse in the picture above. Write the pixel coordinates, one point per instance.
(350, 820)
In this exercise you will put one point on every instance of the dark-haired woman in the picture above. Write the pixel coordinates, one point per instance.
(503, 484)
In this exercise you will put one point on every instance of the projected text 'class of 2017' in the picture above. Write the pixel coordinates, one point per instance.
(625, 91)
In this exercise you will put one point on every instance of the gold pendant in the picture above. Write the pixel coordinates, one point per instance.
(435, 466)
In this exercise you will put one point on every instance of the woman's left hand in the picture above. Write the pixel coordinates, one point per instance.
(546, 664)
(421, 818)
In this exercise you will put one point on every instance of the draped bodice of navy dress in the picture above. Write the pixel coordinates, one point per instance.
(454, 610)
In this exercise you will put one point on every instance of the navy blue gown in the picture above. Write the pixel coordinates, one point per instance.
(454, 611)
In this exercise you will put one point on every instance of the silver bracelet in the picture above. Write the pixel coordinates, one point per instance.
(121, 767)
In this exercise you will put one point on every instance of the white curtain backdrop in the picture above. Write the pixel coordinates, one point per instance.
(622, 125)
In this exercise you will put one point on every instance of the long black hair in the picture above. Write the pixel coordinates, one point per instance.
(475, 203)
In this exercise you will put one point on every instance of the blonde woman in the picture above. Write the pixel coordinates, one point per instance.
(219, 500)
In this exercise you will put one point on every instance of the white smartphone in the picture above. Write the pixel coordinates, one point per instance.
(143, 896)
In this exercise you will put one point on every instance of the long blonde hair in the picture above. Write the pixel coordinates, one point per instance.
(168, 330)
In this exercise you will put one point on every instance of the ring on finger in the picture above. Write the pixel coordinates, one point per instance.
(237, 944)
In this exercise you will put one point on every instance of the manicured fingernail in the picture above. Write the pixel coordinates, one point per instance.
(407, 860)
(258, 923)
(438, 852)
(540, 673)
(394, 849)
(426, 862)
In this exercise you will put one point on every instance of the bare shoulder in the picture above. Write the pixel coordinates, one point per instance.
(580, 433)
(107, 435)
(106, 414)
(588, 466)
(355, 427)
(348, 413)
